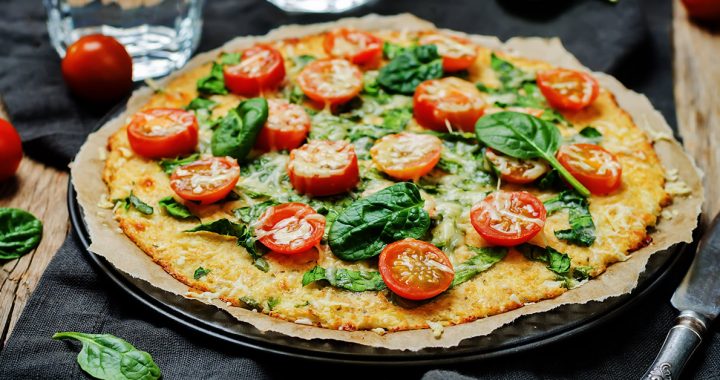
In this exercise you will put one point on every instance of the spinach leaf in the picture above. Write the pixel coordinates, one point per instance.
(104, 356)
(391, 50)
(365, 227)
(200, 272)
(551, 180)
(300, 61)
(138, 204)
(175, 209)
(509, 75)
(485, 258)
(214, 83)
(329, 127)
(394, 121)
(20, 232)
(372, 89)
(239, 129)
(244, 235)
(252, 213)
(168, 165)
(589, 135)
(200, 104)
(524, 136)
(582, 228)
(294, 94)
(409, 68)
(557, 262)
(249, 303)
(272, 302)
(355, 281)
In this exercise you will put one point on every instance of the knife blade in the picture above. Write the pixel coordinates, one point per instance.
(698, 299)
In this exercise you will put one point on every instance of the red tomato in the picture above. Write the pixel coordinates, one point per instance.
(703, 9)
(163, 132)
(206, 180)
(406, 156)
(508, 218)
(323, 168)
(333, 81)
(458, 53)
(10, 150)
(515, 170)
(568, 89)
(449, 102)
(286, 128)
(360, 48)
(415, 269)
(593, 166)
(290, 228)
(98, 68)
(527, 110)
(261, 68)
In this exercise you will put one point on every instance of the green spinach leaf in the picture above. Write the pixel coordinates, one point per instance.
(200, 272)
(524, 136)
(249, 303)
(104, 356)
(355, 281)
(201, 104)
(557, 262)
(365, 227)
(509, 75)
(214, 83)
(138, 204)
(250, 214)
(20, 232)
(168, 165)
(409, 68)
(588, 135)
(582, 228)
(245, 238)
(239, 129)
(175, 209)
(272, 302)
(483, 260)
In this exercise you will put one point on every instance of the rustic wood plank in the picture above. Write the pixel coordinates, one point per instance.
(697, 91)
(40, 190)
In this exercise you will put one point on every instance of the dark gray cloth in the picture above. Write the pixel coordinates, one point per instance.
(630, 40)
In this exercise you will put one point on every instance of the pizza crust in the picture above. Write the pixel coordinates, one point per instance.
(619, 278)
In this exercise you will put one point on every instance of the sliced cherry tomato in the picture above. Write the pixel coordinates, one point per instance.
(406, 156)
(261, 68)
(448, 102)
(163, 132)
(206, 180)
(98, 68)
(360, 48)
(330, 81)
(595, 167)
(458, 53)
(508, 218)
(10, 150)
(515, 170)
(290, 228)
(286, 128)
(568, 89)
(415, 269)
(323, 168)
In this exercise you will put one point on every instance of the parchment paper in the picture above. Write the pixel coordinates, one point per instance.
(620, 278)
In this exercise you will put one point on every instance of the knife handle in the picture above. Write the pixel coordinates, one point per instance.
(680, 343)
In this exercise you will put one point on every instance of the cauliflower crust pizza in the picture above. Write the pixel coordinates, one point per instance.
(384, 180)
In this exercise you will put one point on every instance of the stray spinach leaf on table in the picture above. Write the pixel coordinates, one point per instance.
(104, 356)
(353, 280)
(175, 209)
(239, 129)
(582, 228)
(244, 235)
(20, 232)
(214, 83)
(483, 260)
(409, 67)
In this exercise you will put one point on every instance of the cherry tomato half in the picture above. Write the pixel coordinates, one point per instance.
(98, 68)
(457, 53)
(290, 228)
(508, 218)
(323, 168)
(415, 269)
(360, 48)
(330, 81)
(515, 170)
(703, 9)
(537, 112)
(261, 68)
(595, 167)
(206, 180)
(568, 89)
(406, 156)
(10, 150)
(163, 132)
(286, 128)
(453, 101)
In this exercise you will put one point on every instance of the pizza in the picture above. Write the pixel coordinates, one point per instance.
(383, 180)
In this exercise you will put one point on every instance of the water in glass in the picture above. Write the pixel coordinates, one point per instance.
(319, 6)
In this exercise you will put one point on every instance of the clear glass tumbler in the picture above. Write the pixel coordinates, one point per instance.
(319, 6)
(160, 35)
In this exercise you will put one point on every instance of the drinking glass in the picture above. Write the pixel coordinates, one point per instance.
(319, 6)
(160, 35)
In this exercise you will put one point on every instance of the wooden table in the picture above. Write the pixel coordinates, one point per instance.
(41, 189)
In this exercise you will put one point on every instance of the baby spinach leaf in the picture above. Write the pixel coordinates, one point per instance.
(272, 302)
(249, 303)
(524, 136)
(175, 209)
(230, 58)
(409, 68)
(509, 75)
(483, 260)
(214, 83)
(294, 94)
(587, 135)
(104, 356)
(200, 272)
(138, 204)
(244, 235)
(252, 213)
(20, 232)
(582, 228)
(168, 165)
(355, 281)
(557, 262)
(239, 129)
(391, 50)
(329, 127)
(200, 104)
(365, 227)
(301, 61)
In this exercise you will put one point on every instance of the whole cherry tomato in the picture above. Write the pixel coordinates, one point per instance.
(10, 150)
